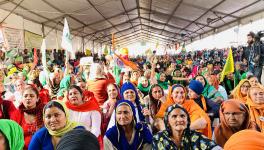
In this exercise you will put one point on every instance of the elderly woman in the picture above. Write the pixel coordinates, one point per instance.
(84, 110)
(57, 123)
(199, 119)
(178, 134)
(11, 135)
(127, 134)
(255, 103)
(209, 91)
(241, 91)
(98, 81)
(129, 92)
(30, 113)
(143, 85)
(234, 117)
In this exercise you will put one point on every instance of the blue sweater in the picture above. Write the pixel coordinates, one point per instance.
(41, 140)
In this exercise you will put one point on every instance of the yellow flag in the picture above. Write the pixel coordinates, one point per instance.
(157, 45)
(229, 65)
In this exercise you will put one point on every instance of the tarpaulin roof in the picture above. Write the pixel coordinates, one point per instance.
(134, 20)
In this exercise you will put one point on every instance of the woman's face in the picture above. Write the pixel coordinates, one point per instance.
(200, 79)
(145, 82)
(19, 85)
(234, 119)
(156, 92)
(124, 115)
(253, 81)
(257, 96)
(57, 79)
(192, 94)
(130, 95)
(30, 99)
(177, 120)
(54, 118)
(244, 88)
(75, 97)
(162, 77)
(178, 95)
(112, 91)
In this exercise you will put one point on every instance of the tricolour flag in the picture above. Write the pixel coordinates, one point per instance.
(229, 65)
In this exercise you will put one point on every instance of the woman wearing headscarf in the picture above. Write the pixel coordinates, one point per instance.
(241, 91)
(255, 103)
(143, 85)
(11, 135)
(129, 92)
(178, 135)
(57, 123)
(53, 84)
(245, 140)
(109, 105)
(84, 110)
(98, 81)
(30, 113)
(199, 119)
(161, 78)
(209, 91)
(234, 117)
(214, 81)
(127, 133)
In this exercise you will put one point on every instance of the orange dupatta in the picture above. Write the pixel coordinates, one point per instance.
(193, 109)
(256, 110)
(237, 92)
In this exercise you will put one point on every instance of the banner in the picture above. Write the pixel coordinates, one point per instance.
(15, 37)
(32, 40)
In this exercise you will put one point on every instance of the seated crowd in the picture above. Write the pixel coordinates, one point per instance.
(172, 103)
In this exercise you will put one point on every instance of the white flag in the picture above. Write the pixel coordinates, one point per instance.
(43, 51)
(66, 42)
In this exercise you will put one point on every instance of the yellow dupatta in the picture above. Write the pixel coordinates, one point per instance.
(69, 124)
(236, 93)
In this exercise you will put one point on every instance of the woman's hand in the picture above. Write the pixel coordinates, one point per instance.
(146, 111)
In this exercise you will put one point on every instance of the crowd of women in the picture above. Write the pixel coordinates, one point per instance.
(172, 102)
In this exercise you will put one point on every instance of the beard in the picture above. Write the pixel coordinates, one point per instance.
(250, 42)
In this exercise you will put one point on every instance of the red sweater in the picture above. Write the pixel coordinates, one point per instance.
(98, 87)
